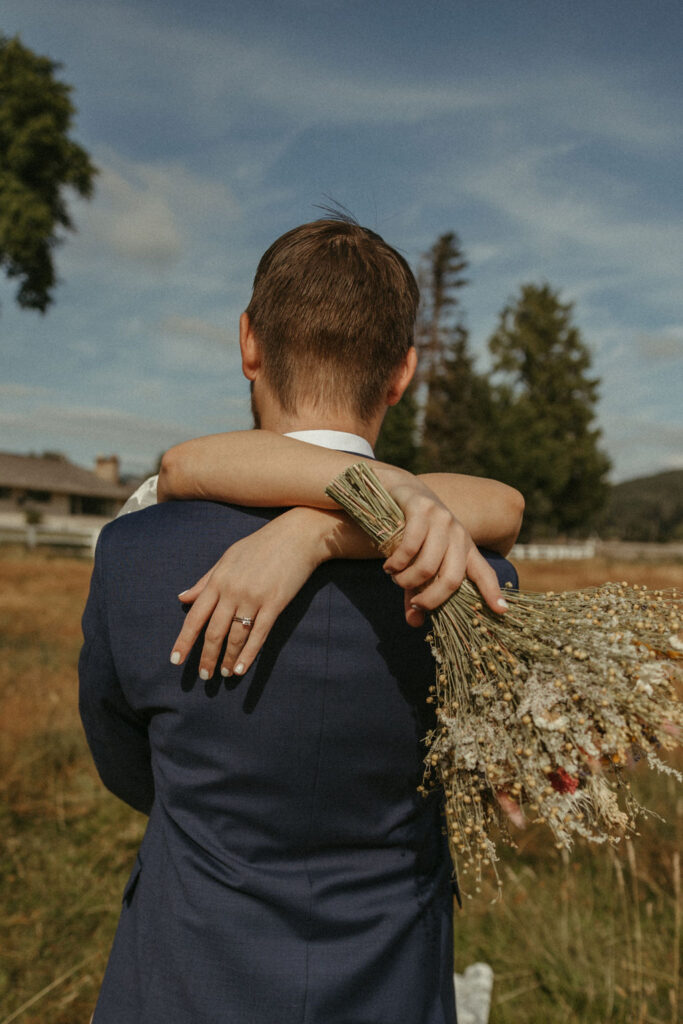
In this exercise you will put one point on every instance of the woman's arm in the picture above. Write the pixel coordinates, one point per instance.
(261, 468)
(259, 575)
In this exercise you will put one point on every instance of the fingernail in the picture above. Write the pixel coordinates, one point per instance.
(203, 674)
(175, 658)
(239, 669)
(182, 593)
(502, 603)
(225, 671)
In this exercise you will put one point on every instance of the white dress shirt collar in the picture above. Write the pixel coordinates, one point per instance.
(338, 439)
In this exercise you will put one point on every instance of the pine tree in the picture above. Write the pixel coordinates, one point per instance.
(455, 434)
(547, 443)
(401, 440)
(458, 426)
(440, 277)
(397, 442)
(38, 162)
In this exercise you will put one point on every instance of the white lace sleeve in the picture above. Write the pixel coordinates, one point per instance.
(145, 496)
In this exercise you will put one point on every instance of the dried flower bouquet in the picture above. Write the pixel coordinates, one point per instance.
(546, 705)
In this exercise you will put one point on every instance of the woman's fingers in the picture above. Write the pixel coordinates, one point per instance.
(511, 808)
(455, 566)
(428, 562)
(414, 615)
(484, 577)
(450, 575)
(238, 636)
(256, 636)
(198, 614)
(243, 641)
(220, 625)
(255, 578)
(193, 592)
(422, 518)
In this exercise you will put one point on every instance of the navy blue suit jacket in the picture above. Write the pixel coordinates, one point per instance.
(290, 872)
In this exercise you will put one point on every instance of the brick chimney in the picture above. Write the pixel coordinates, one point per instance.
(107, 468)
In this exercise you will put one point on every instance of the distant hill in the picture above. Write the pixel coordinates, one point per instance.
(649, 508)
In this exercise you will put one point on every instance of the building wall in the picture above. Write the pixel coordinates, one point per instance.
(13, 499)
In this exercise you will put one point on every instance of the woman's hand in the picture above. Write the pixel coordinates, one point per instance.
(259, 575)
(255, 579)
(435, 554)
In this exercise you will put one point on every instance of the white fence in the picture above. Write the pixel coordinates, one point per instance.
(617, 550)
(554, 552)
(83, 538)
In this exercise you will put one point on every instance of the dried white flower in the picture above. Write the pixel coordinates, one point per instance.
(545, 705)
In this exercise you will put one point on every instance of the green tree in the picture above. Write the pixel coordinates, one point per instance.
(547, 444)
(38, 163)
(455, 435)
(458, 434)
(440, 277)
(397, 442)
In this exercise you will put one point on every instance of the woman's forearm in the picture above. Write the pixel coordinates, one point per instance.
(261, 468)
(491, 511)
(251, 467)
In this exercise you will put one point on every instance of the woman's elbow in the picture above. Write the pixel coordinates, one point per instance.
(516, 504)
(168, 483)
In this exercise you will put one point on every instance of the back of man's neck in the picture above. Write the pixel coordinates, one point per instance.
(283, 423)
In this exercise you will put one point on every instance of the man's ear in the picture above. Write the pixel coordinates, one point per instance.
(250, 349)
(402, 377)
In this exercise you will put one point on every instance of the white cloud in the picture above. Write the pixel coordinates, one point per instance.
(601, 104)
(85, 432)
(223, 71)
(130, 218)
(195, 327)
(23, 391)
(481, 253)
(549, 215)
(151, 214)
(95, 423)
(665, 346)
(140, 57)
(135, 219)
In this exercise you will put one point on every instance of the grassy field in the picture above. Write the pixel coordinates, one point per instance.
(594, 938)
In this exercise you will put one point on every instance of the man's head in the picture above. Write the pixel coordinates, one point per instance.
(333, 311)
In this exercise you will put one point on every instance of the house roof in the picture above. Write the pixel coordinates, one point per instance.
(56, 474)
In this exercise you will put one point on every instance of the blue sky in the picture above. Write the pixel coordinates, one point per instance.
(547, 135)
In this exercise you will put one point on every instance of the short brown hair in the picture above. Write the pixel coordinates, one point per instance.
(333, 308)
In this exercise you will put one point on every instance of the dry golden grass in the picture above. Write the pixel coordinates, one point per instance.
(65, 844)
(594, 938)
(40, 607)
(574, 575)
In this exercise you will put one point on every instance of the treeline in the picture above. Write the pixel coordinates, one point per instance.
(530, 421)
(647, 509)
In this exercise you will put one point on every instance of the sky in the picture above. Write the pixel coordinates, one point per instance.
(547, 135)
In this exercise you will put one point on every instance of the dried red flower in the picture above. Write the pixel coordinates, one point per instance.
(563, 782)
